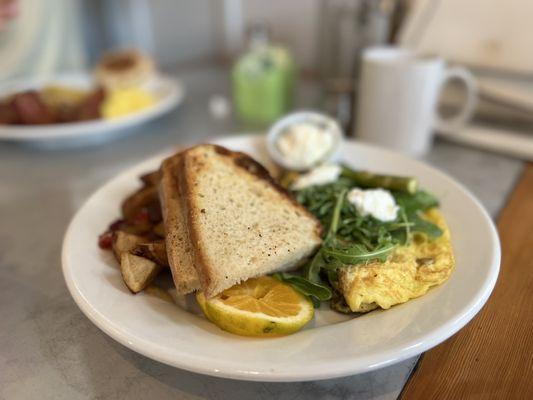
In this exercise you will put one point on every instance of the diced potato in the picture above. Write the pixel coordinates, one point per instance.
(155, 251)
(137, 272)
(124, 242)
(143, 198)
(159, 230)
(151, 178)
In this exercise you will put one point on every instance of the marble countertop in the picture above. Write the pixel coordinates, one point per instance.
(49, 350)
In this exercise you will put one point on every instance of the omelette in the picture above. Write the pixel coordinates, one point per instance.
(407, 273)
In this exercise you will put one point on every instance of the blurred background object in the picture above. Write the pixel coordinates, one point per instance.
(493, 41)
(263, 79)
(484, 34)
(9, 9)
(398, 95)
(36, 39)
(323, 39)
(346, 27)
(173, 32)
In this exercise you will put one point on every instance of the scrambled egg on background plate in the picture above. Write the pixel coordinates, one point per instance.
(120, 102)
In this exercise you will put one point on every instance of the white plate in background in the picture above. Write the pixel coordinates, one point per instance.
(331, 346)
(169, 93)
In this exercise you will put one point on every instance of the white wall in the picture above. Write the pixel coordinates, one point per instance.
(293, 22)
(175, 31)
(183, 31)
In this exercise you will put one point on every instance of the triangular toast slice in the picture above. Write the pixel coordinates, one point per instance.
(241, 223)
(177, 240)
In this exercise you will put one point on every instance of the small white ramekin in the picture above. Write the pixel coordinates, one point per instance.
(281, 126)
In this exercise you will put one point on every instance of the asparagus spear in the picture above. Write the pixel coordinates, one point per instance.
(369, 179)
(287, 178)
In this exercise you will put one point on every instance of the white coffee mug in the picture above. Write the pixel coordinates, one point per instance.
(398, 96)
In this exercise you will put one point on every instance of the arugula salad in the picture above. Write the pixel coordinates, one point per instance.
(352, 239)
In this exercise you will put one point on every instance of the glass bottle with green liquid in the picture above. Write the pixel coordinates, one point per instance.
(263, 80)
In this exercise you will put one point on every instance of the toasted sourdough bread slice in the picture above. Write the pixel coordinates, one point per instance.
(176, 236)
(241, 223)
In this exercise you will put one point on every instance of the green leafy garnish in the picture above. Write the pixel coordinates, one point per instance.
(312, 269)
(367, 179)
(424, 226)
(357, 254)
(413, 205)
(316, 292)
(351, 239)
(311, 272)
(419, 201)
(334, 223)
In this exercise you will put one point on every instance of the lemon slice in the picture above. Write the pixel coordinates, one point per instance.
(258, 307)
(202, 302)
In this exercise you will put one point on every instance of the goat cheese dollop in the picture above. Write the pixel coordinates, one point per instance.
(305, 144)
(378, 203)
(320, 175)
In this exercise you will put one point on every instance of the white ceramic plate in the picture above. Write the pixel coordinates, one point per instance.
(168, 91)
(331, 346)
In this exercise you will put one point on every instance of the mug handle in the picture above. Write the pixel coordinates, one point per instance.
(460, 119)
